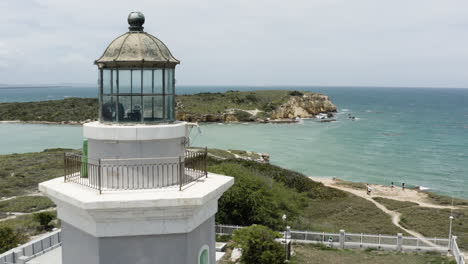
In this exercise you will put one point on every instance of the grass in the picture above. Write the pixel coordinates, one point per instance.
(218, 103)
(69, 109)
(445, 200)
(351, 213)
(394, 204)
(26, 204)
(309, 254)
(354, 185)
(27, 225)
(432, 222)
(21, 173)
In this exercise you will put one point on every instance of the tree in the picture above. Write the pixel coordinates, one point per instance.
(9, 238)
(259, 246)
(44, 219)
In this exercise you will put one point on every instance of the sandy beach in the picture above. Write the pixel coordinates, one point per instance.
(395, 193)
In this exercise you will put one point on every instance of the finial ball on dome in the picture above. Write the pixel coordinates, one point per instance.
(136, 21)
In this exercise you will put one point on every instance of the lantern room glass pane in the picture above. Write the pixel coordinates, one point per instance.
(136, 81)
(108, 113)
(169, 81)
(132, 110)
(124, 81)
(114, 82)
(153, 109)
(106, 81)
(158, 81)
(147, 82)
(170, 107)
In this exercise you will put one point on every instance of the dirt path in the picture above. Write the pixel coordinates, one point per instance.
(395, 216)
(13, 197)
(396, 193)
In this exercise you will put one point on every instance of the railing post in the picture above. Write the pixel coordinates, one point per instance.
(180, 173)
(99, 176)
(205, 162)
(342, 239)
(399, 241)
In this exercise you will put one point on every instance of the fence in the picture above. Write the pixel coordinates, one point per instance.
(339, 240)
(32, 249)
(459, 257)
(135, 174)
(350, 240)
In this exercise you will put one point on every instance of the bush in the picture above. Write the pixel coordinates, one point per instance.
(255, 199)
(9, 238)
(44, 219)
(242, 115)
(259, 246)
(296, 93)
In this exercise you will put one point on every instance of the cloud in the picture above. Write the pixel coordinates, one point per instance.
(297, 42)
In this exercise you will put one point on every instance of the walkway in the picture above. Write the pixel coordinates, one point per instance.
(382, 191)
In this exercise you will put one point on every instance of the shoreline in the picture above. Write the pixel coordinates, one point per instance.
(422, 198)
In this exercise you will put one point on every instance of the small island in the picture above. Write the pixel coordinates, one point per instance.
(276, 106)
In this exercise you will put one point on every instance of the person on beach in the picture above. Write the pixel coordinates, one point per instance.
(403, 186)
(369, 189)
(391, 185)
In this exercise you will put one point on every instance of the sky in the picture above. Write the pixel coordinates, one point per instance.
(409, 43)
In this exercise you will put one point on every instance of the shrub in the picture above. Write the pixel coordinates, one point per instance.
(242, 115)
(44, 218)
(259, 246)
(9, 238)
(296, 93)
(255, 199)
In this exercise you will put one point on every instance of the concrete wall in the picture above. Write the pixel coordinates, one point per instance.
(134, 149)
(80, 247)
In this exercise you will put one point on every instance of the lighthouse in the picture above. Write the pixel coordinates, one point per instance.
(135, 194)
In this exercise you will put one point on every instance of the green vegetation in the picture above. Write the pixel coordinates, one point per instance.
(255, 199)
(351, 213)
(308, 254)
(26, 204)
(209, 107)
(29, 225)
(69, 109)
(263, 192)
(394, 204)
(218, 103)
(354, 185)
(10, 238)
(432, 222)
(21, 173)
(258, 245)
(44, 219)
(446, 200)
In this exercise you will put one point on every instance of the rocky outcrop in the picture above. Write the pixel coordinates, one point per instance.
(307, 105)
(294, 105)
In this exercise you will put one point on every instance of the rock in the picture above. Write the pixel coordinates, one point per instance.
(235, 255)
(306, 106)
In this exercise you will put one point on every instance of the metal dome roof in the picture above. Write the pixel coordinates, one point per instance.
(136, 48)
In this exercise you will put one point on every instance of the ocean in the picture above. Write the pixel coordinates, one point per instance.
(414, 135)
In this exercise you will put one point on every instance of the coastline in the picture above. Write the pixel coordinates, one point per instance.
(422, 198)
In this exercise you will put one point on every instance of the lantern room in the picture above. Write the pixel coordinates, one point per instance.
(136, 78)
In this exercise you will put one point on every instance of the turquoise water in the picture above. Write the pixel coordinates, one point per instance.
(416, 136)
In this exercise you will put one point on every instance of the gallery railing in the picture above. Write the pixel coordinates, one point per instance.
(136, 174)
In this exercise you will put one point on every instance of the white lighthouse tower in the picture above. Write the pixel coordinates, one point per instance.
(135, 194)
